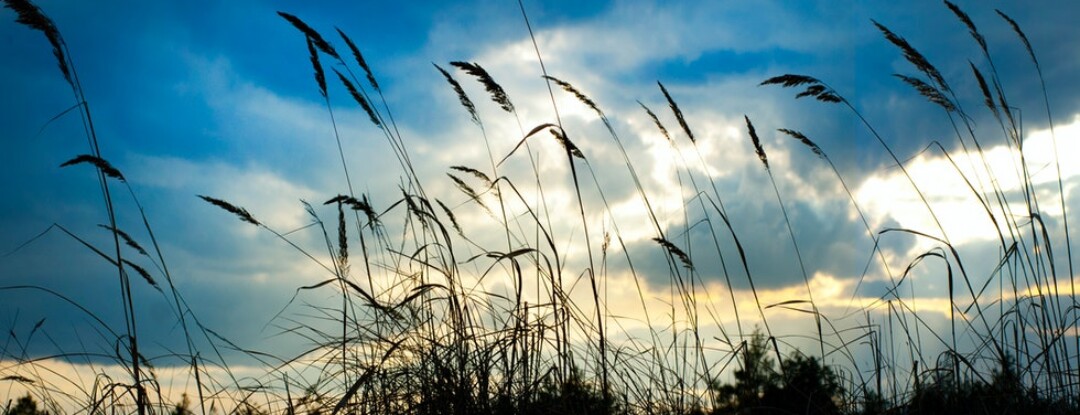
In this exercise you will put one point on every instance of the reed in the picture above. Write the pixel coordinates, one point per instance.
(424, 311)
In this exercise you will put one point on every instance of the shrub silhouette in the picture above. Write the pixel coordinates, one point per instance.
(1002, 393)
(575, 395)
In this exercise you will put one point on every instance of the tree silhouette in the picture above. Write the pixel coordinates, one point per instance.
(805, 386)
(751, 381)
(26, 405)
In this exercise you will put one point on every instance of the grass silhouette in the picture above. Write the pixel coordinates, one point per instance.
(417, 331)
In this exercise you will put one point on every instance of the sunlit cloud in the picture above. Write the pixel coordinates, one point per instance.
(951, 185)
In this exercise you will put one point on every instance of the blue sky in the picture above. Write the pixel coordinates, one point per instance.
(217, 98)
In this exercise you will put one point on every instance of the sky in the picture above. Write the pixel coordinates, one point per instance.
(218, 99)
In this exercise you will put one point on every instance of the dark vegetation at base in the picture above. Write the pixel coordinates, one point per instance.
(805, 387)
(425, 349)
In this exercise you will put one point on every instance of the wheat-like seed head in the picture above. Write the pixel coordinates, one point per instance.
(988, 98)
(1020, 33)
(757, 142)
(913, 56)
(960, 14)
(566, 86)
(127, 239)
(358, 98)
(464, 99)
(101, 164)
(320, 77)
(678, 112)
(142, 273)
(805, 140)
(229, 207)
(450, 214)
(928, 91)
(497, 93)
(815, 88)
(359, 59)
(675, 251)
(311, 34)
(656, 121)
(32, 16)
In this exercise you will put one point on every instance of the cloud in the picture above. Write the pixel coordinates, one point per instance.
(951, 186)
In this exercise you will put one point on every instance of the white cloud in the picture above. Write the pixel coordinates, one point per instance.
(889, 194)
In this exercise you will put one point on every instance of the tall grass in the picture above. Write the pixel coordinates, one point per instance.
(419, 323)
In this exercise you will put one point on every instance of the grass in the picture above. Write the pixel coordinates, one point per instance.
(416, 327)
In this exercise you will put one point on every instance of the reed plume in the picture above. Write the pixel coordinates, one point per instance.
(678, 112)
(316, 39)
(359, 58)
(101, 164)
(462, 97)
(238, 211)
(497, 93)
(31, 15)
